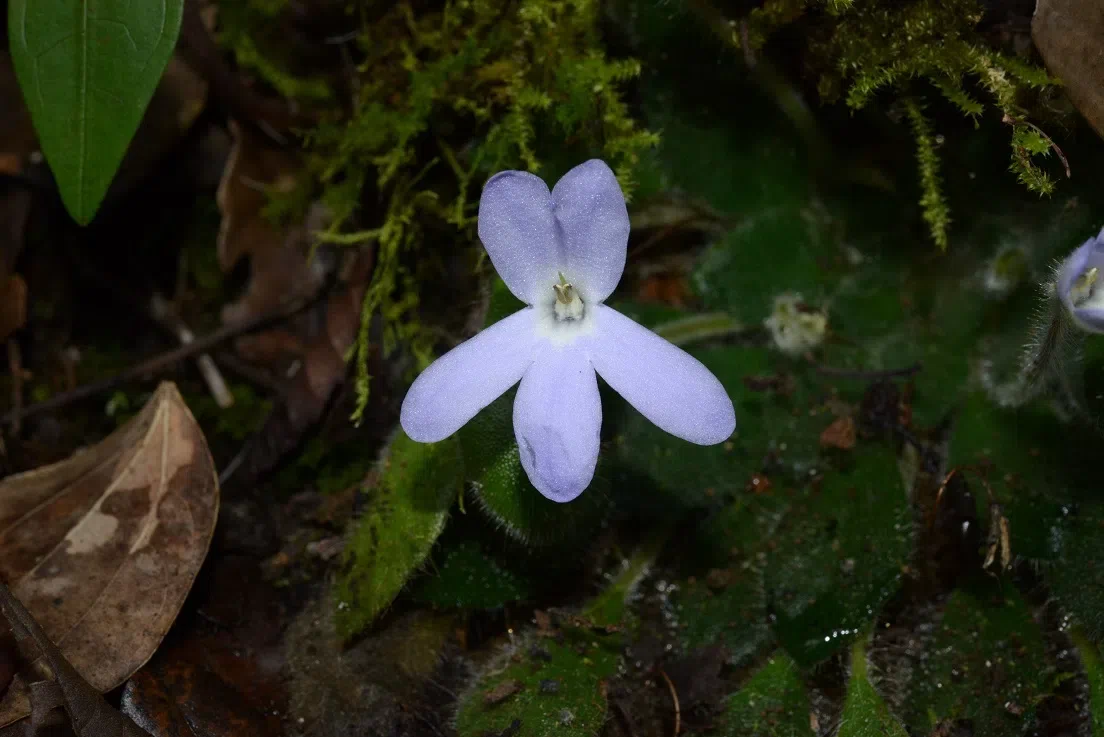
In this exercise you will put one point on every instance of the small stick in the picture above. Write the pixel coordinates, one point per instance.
(15, 366)
(675, 699)
(872, 374)
(159, 362)
(163, 312)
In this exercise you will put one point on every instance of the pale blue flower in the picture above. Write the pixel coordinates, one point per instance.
(1081, 284)
(562, 253)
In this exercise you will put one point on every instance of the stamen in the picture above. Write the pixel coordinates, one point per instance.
(1083, 288)
(564, 292)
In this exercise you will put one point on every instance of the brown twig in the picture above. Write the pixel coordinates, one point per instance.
(870, 374)
(159, 362)
(675, 699)
(15, 366)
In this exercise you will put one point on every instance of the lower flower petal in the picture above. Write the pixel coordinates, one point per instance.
(665, 383)
(557, 420)
(469, 377)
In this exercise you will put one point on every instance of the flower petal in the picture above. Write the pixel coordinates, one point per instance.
(591, 211)
(518, 228)
(665, 383)
(1090, 254)
(469, 377)
(557, 420)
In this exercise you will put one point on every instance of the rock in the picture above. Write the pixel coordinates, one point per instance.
(1068, 34)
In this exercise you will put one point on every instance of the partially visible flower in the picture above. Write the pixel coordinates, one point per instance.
(1079, 284)
(562, 253)
(795, 327)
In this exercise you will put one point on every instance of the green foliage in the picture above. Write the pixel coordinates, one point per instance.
(1094, 671)
(444, 98)
(932, 201)
(988, 646)
(864, 711)
(259, 41)
(554, 688)
(503, 491)
(554, 685)
(405, 513)
(773, 703)
(466, 576)
(87, 73)
(863, 48)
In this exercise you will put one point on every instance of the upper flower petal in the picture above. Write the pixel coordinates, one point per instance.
(469, 377)
(557, 420)
(1088, 255)
(518, 228)
(590, 209)
(666, 384)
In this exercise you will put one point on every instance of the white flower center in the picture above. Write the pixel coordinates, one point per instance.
(565, 316)
(1084, 292)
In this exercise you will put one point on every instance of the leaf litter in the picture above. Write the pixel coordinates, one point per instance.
(103, 548)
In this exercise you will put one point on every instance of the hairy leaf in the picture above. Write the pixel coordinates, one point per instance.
(773, 703)
(864, 711)
(406, 511)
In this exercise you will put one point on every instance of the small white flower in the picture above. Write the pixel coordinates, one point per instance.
(562, 253)
(794, 327)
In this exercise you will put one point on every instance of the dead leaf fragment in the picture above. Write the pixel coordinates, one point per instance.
(1067, 34)
(502, 691)
(89, 714)
(840, 434)
(103, 548)
(280, 269)
(13, 305)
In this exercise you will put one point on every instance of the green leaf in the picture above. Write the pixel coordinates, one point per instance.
(864, 712)
(504, 493)
(406, 512)
(468, 577)
(87, 71)
(554, 688)
(838, 555)
(986, 663)
(1094, 672)
(773, 703)
(725, 603)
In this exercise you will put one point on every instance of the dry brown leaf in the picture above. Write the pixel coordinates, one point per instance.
(280, 270)
(13, 305)
(17, 135)
(103, 548)
(1068, 34)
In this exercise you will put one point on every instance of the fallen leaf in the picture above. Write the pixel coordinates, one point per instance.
(180, 696)
(17, 135)
(13, 305)
(1067, 34)
(280, 268)
(321, 371)
(103, 548)
(502, 691)
(7, 662)
(840, 434)
(89, 714)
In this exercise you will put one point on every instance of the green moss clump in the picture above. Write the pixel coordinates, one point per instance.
(912, 50)
(440, 99)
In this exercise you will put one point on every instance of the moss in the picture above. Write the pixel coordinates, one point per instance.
(442, 98)
(864, 51)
